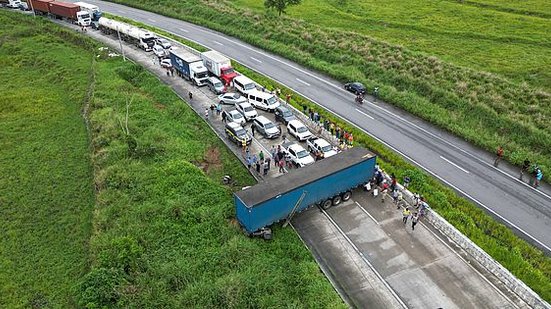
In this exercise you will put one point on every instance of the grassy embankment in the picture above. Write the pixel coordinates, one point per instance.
(523, 260)
(163, 231)
(484, 108)
(46, 191)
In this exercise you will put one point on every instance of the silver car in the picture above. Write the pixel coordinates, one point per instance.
(231, 98)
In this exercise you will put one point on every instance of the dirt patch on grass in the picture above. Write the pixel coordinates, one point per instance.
(211, 161)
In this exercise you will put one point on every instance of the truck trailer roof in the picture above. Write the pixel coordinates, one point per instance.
(273, 187)
(215, 56)
(185, 55)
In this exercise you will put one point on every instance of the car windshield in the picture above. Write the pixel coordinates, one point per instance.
(236, 96)
(248, 108)
(302, 130)
(326, 148)
(85, 16)
(269, 125)
(241, 132)
(218, 84)
(272, 100)
(237, 116)
(249, 86)
(201, 75)
(287, 113)
(301, 154)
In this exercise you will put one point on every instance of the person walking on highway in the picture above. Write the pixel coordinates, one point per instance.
(252, 130)
(499, 156)
(405, 215)
(524, 168)
(190, 96)
(414, 220)
(224, 117)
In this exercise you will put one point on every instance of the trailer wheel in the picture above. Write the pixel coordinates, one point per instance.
(337, 200)
(326, 204)
(346, 196)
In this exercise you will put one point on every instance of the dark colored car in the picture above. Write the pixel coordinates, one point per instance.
(283, 114)
(355, 87)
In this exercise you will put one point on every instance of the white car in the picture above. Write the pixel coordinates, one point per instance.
(319, 144)
(234, 116)
(297, 154)
(164, 43)
(231, 98)
(159, 51)
(298, 130)
(166, 63)
(247, 110)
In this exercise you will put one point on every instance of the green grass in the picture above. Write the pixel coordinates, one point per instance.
(161, 230)
(46, 192)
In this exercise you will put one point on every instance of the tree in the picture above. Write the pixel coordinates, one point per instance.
(280, 5)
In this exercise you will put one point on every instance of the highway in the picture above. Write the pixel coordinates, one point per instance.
(456, 163)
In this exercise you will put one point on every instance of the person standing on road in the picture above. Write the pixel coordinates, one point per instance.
(206, 113)
(266, 167)
(218, 109)
(261, 155)
(224, 117)
(288, 98)
(414, 220)
(273, 153)
(405, 215)
(281, 164)
(499, 156)
(384, 191)
(190, 96)
(524, 169)
(252, 130)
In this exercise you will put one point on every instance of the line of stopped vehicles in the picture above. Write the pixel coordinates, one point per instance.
(325, 184)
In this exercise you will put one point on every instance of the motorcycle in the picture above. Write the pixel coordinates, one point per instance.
(359, 100)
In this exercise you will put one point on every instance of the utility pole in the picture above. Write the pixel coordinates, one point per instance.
(120, 44)
(32, 8)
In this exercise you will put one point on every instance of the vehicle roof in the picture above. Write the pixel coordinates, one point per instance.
(273, 187)
(186, 55)
(262, 118)
(357, 84)
(214, 79)
(283, 108)
(244, 104)
(234, 125)
(244, 79)
(321, 142)
(296, 123)
(296, 147)
(64, 4)
(234, 111)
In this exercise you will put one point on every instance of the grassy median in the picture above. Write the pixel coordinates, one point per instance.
(160, 230)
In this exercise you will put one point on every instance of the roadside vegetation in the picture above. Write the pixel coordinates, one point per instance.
(46, 192)
(162, 231)
(529, 264)
(487, 109)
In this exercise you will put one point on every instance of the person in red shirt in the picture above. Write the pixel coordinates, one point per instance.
(499, 156)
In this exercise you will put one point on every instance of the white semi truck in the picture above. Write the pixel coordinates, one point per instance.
(134, 35)
(93, 10)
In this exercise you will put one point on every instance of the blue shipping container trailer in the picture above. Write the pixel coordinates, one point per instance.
(327, 182)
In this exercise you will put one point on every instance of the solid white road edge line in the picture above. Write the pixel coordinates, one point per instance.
(470, 265)
(459, 167)
(365, 260)
(367, 213)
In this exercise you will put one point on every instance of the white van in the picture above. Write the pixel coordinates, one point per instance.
(263, 100)
(243, 84)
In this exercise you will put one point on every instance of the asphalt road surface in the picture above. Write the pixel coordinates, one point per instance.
(465, 168)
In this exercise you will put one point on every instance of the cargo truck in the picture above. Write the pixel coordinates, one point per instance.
(93, 10)
(140, 37)
(69, 11)
(40, 7)
(189, 66)
(219, 65)
(326, 183)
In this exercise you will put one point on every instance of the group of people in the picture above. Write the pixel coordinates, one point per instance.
(379, 185)
(527, 168)
(260, 162)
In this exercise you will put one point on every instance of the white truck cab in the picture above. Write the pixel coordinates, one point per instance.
(14, 4)
(84, 19)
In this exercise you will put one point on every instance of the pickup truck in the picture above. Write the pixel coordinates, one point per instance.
(297, 154)
(319, 144)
